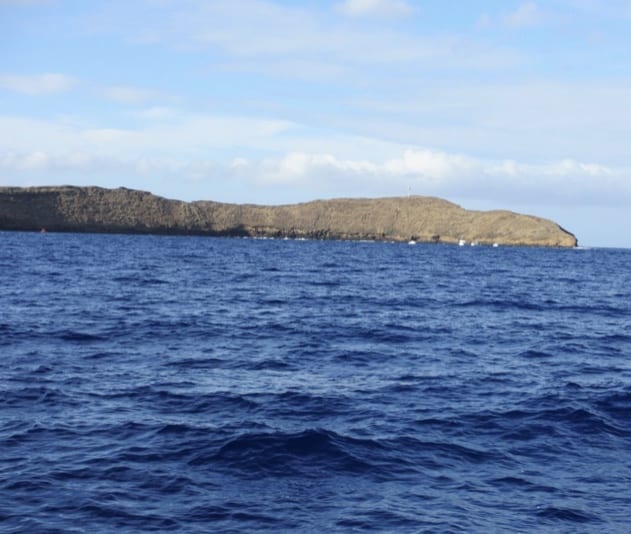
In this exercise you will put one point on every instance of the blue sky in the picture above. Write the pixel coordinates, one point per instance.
(520, 105)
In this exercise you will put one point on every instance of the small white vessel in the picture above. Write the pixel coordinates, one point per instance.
(462, 243)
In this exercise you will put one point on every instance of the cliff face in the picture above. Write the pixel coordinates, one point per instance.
(423, 219)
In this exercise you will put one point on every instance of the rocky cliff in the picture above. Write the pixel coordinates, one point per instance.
(423, 219)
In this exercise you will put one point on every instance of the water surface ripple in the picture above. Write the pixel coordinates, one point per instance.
(189, 384)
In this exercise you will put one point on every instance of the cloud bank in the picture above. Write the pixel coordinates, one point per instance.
(263, 154)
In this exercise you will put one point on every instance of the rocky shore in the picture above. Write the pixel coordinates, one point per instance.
(421, 219)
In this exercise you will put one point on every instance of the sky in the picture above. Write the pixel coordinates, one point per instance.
(492, 104)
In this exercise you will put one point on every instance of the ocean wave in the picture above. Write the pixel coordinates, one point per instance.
(558, 514)
(305, 454)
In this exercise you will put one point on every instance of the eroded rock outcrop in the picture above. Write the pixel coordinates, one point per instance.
(423, 219)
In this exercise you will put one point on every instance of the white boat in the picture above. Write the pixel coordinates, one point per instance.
(462, 243)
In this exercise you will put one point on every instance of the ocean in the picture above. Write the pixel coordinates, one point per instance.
(190, 384)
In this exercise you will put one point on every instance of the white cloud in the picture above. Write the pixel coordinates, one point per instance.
(294, 41)
(444, 174)
(599, 8)
(304, 175)
(434, 164)
(421, 164)
(37, 84)
(529, 121)
(267, 155)
(157, 113)
(527, 14)
(360, 8)
(570, 167)
(48, 164)
(485, 21)
(302, 167)
(127, 94)
(294, 37)
(187, 134)
(49, 83)
(239, 163)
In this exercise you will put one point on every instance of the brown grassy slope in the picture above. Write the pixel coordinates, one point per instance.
(425, 219)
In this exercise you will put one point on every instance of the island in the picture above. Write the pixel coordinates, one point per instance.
(409, 219)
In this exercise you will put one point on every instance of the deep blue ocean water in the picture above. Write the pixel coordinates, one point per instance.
(187, 384)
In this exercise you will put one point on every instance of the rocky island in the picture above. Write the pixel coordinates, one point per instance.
(417, 218)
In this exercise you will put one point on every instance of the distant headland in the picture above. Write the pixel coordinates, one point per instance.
(412, 218)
